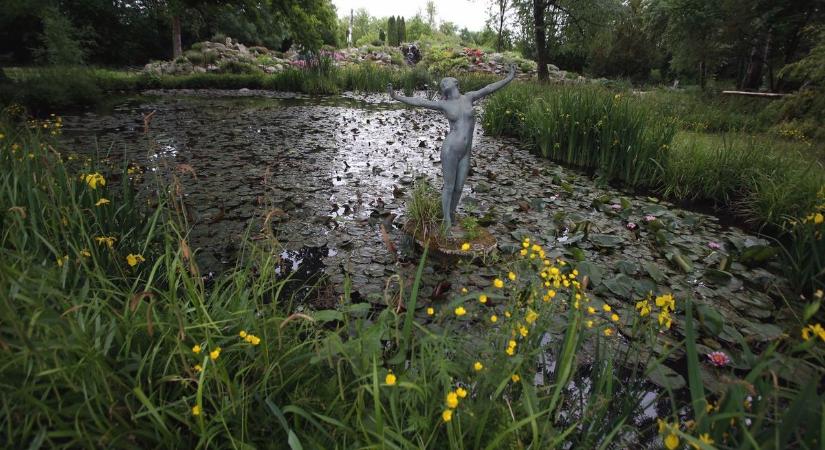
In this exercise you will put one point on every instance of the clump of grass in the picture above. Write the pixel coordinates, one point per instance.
(584, 126)
(424, 209)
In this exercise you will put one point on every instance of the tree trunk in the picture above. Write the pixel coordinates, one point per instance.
(177, 47)
(541, 38)
(753, 75)
(502, 7)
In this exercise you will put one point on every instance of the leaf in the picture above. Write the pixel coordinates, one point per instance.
(605, 240)
(327, 315)
(757, 254)
(719, 277)
(592, 271)
(655, 272)
(710, 319)
(621, 285)
(665, 377)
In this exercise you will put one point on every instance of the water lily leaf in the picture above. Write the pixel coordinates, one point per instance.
(644, 286)
(605, 240)
(665, 377)
(757, 254)
(621, 285)
(577, 253)
(719, 277)
(762, 331)
(710, 320)
(655, 272)
(627, 267)
(594, 272)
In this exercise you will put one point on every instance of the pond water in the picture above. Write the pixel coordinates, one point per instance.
(331, 172)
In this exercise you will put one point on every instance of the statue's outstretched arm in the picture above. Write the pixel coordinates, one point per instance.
(490, 88)
(414, 101)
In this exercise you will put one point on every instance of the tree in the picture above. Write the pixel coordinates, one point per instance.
(498, 15)
(431, 12)
(402, 30)
(392, 31)
(382, 36)
(448, 28)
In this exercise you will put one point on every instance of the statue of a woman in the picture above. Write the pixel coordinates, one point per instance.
(455, 151)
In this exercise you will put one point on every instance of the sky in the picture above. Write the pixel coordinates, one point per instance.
(464, 13)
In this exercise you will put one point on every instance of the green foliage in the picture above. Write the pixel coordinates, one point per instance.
(424, 209)
(61, 43)
(587, 127)
(51, 88)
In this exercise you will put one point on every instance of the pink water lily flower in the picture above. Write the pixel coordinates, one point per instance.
(714, 245)
(649, 218)
(616, 206)
(719, 359)
(631, 226)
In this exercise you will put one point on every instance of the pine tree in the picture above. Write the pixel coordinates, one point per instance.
(402, 31)
(392, 32)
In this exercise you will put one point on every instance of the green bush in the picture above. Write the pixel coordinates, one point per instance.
(49, 88)
(238, 67)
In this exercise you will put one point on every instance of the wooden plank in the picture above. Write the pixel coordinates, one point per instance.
(754, 94)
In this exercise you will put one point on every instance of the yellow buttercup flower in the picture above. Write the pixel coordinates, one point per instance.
(494, 318)
(460, 311)
(196, 410)
(196, 349)
(134, 259)
(531, 316)
(102, 201)
(498, 283)
(606, 307)
(671, 441)
(515, 378)
(452, 400)
(214, 354)
(478, 366)
(614, 317)
(198, 368)
(465, 246)
(591, 310)
(819, 218)
(242, 334)
(511, 276)
(461, 392)
(589, 324)
(608, 332)
(430, 311)
(390, 379)
(447, 415)
(482, 298)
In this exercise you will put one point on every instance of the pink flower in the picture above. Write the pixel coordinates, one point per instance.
(649, 218)
(714, 245)
(631, 226)
(719, 359)
(616, 206)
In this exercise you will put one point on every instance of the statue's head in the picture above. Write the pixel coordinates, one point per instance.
(449, 88)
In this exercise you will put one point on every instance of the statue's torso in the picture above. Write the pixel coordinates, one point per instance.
(461, 115)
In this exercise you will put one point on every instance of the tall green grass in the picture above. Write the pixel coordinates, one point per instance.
(584, 126)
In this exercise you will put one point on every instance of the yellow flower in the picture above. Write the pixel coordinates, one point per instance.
(507, 314)
(608, 332)
(665, 319)
(523, 252)
(515, 378)
(460, 311)
(494, 318)
(198, 368)
(703, 438)
(671, 441)
(512, 343)
(252, 339)
(666, 302)
(430, 311)
(511, 276)
(94, 180)
(461, 392)
(196, 349)
(196, 410)
(242, 334)
(589, 324)
(591, 310)
(614, 317)
(464, 290)
(108, 240)
(102, 201)
(85, 252)
(390, 379)
(531, 316)
(482, 298)
(478, 366)
(819, 218)
(510, 351)
(523, 331)
(498, 283)
(806, 332)
(452, 400)
(63, 260)
(214, 354)
(447, 415)
(465, 246)
(643, 307)
(134, 259)
(606, 307)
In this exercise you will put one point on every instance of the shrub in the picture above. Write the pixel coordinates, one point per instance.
(238, 67)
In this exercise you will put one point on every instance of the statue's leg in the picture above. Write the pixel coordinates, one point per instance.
(461, 176)
(449, 166)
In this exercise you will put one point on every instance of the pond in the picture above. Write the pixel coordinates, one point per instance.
(330, 173)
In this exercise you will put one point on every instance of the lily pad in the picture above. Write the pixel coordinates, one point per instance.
(621, 285)
(605, 240)
(665, 377)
